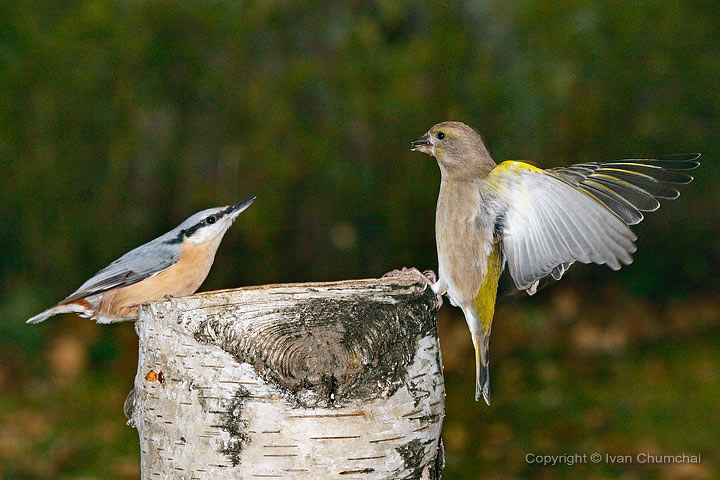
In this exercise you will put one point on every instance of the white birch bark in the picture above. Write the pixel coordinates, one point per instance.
(305, 381)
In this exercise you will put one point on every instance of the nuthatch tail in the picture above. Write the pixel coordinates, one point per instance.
(174, 264)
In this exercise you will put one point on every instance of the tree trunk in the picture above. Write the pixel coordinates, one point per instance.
(321, 380)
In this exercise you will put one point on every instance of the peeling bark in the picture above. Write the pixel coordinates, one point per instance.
(324, 380)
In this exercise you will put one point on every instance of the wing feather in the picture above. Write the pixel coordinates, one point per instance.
(629, 187)
(138, 264)
(580, 213)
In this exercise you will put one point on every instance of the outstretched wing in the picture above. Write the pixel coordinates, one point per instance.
(579, 213)
(133, 267)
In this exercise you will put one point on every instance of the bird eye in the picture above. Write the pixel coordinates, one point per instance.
(210, 220)
(440, 135)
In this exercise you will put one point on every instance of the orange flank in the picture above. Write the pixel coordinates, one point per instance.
(182, 278)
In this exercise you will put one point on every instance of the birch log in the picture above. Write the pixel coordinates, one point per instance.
(304, 381)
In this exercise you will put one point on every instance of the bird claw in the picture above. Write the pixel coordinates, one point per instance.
(167, 296)
(129, 407)
(430, 275)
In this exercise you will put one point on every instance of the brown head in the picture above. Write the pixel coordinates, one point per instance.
(458, 148)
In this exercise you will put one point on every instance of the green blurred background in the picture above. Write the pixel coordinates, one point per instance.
(120, 119)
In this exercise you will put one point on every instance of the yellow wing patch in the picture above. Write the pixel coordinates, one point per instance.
(515, 165)
(507, 177)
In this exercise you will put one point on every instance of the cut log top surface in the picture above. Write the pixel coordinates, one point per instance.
(384, 289)
(322, 343)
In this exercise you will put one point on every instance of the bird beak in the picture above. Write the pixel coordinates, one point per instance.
(423, 144)
(239, 207)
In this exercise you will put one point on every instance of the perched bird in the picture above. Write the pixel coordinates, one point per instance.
(537, 222)
(173, 264)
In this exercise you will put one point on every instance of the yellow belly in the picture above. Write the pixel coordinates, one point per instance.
(484, 302)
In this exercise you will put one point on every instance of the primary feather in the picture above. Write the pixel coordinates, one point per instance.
(629, 187)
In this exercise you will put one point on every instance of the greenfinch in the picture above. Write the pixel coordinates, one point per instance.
(535, 222)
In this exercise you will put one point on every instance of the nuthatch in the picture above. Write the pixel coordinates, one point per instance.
(174, 264)
(538, 222)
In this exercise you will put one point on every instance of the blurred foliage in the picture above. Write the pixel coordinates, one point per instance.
(120, 119)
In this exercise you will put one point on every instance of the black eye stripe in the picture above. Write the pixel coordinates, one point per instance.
(190, 231)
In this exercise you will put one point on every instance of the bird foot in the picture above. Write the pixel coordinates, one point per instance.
(168, 296)
(428, 277)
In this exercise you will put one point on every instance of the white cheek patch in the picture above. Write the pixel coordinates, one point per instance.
(211, 232)
(203, 235)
